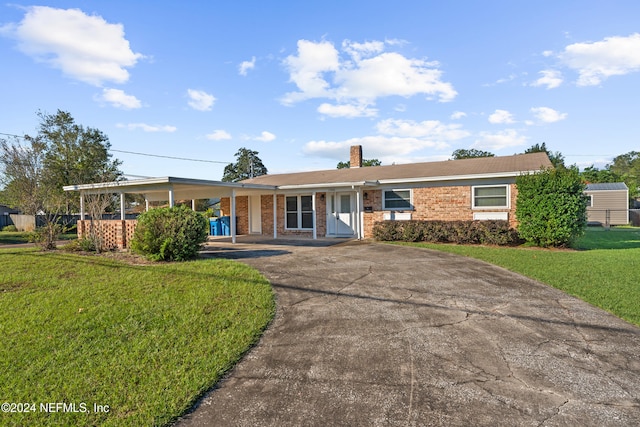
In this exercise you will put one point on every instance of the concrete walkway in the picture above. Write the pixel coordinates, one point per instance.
(371, 334)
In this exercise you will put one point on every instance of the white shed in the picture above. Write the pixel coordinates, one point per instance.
(608, 203)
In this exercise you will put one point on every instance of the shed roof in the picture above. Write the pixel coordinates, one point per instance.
(607, 186)
(411, 172)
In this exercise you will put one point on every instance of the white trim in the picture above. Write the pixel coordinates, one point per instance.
(507, 196)
(384, 199)
(232, 220)
(275, 215)
(122, 211)
(445, 178)
(314, 211)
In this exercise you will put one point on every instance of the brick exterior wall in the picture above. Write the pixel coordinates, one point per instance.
(435, 203)
(266, 213)
(116, 234)
(444, 203)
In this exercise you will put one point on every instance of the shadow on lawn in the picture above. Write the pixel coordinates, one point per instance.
(614, 238)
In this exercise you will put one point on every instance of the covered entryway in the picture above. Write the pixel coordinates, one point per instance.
(342, 219)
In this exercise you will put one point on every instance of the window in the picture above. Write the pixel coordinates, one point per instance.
(396, 199)
(299, 212)
(491, 196)
(589, 200)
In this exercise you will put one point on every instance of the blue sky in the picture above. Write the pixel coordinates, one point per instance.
(300, 82)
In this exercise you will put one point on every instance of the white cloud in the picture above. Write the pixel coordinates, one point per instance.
(85, 47)
(432, 130)
(501, 117)
(200, 100)
(265, 137)
(346, 110)
(499, 140)
(148, 128)
(548, 115)
(595, 62)
(550, 78)
(245, 66)
(218, 135)
(119, 99)
(395, 141)
(458, 115)
(367, 73)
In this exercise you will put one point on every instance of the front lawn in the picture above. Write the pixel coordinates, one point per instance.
(143, 341)
(602, 271)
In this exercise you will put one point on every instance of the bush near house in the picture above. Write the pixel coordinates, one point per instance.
(169, 234)
(461, 232)
(551, 207)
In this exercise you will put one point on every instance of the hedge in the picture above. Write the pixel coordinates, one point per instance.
(461, 232)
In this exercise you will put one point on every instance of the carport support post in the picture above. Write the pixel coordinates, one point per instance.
(313, 209)
(81, 206)
(275, 216)
(122, 216)
(170, 197)
(233, 216)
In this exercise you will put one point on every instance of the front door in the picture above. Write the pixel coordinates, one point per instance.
(341, 220)
(255, 217)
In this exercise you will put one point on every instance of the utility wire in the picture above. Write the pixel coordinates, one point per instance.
(170, 157)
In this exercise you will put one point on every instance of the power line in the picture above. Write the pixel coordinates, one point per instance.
(171, 157)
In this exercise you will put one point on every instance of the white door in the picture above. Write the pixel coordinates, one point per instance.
(341, 220)
(255, 217)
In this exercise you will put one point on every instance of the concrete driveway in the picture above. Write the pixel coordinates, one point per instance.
(379, 335)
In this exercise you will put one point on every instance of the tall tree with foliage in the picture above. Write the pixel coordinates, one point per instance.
(62, 153)
(627, 167)
(365, 162)
(592, 174)
(556, 158)
(74, 155)
(247, 165)
(472, 153)
(551, 207)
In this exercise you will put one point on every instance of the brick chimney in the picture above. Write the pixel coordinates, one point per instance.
(355, 159)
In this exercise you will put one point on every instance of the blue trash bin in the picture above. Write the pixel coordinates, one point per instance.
(215, 228)
(225, 225)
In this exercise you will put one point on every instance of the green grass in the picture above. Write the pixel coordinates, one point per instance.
(602, 271)
(16, 237)
(146, 340)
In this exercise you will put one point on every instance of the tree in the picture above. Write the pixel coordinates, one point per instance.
(592, 174)
(62, 153)
(365, 162)
(557, 159)
(74, 155)
(470, 154)
(22, 170)
(551, 207)
(247, 165)
(627, 167)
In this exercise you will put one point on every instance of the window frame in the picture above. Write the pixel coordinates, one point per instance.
(589, 200)
(384, 200)
(299, 212)
(507, 197)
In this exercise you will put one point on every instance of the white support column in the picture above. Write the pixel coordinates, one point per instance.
(171, 197)
(193, 204)
(275, 215)
(358, 214)
(314, 212)
(122, 217)
(146, 204)
(81, 206)
(232, 221)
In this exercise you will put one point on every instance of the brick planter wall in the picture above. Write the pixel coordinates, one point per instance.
(116, 234)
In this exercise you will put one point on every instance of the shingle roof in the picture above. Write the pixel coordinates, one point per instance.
(432, 171)
(607, 186)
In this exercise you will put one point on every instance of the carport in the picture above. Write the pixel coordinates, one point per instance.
(171, 189)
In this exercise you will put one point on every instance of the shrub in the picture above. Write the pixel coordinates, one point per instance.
(461, 232)
(551, 207)
(10, 228)
(169, 234)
